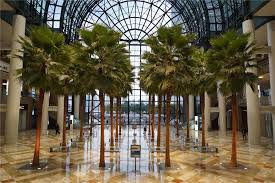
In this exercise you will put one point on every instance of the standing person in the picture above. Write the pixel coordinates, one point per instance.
(244, 133)
(57, 129)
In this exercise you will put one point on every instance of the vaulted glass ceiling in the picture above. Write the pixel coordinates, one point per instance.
(136, 19)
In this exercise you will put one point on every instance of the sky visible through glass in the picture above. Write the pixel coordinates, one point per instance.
(136, 20)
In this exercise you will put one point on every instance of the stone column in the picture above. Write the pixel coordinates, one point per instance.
(13, 100)
(253, 111)
(207, 111)
(191, 107)
(271, 43)
(222, 112)
(76, 106)
(45, 113)
(60, 111)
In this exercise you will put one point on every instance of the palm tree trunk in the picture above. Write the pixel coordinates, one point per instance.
(167, 148)
(120, 123)
(102, 112)
(153, 117)
(177, 116)
(117, 106)
(234, 130)
(35, 161)
(159, 120)
(149, 114)
(188, 118)
(203, 122)
(183, 112)
(64, 120)
(112, 121)
(82, 102)
(91, 114)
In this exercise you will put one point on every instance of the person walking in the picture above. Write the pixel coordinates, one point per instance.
(57, 129)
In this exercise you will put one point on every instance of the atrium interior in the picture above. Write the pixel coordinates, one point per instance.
(137, 90)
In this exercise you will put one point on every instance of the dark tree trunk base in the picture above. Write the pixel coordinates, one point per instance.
(60, 148)
(41, 167)
(207, 149)
(239, 167)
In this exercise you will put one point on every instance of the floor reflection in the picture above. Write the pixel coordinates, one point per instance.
(80, 164)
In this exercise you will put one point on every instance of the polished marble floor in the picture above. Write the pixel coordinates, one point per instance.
(80, 163)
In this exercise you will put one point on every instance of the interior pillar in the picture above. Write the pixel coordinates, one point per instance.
(253, 111)
(191, 107)
(76, 106)
(13, 100)
(60, 111)
(45, 113)
(271, 43)
(207, 111)
(222, 112)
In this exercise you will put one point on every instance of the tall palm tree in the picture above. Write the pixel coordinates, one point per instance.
(120, 113)
(117, 117)
(203, 82)
(149, 114)
(153, 117)
(92, 112)
(112, 121)
(166, 65)
(159, 120)
(66, 79)
(177, 115)
(41, 54)
(82, 78)
(187, 118)
(231, 58)
(102, 43)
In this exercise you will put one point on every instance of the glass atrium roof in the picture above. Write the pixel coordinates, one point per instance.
(136, 19)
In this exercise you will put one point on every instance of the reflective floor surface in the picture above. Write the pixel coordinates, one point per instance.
(80, 163)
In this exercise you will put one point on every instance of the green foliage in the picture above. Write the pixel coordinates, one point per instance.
(232, 60)
(109, 63)
(204, 80)
(40, 55)
(169, 65)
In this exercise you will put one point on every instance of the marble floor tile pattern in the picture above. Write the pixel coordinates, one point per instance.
(80, 163)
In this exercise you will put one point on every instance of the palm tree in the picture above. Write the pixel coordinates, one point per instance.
(112, 121)
(120, 111)
(41, 54)
(203, 82)
(84, 81)
(92, 112)
(177, 115)
(159, 120)
(152, 88)
(167, 65)
(153, 117)
(117, 116)
(231, 58)
(102, 43)
(66, 80)
(149, 113)
(81, 116)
